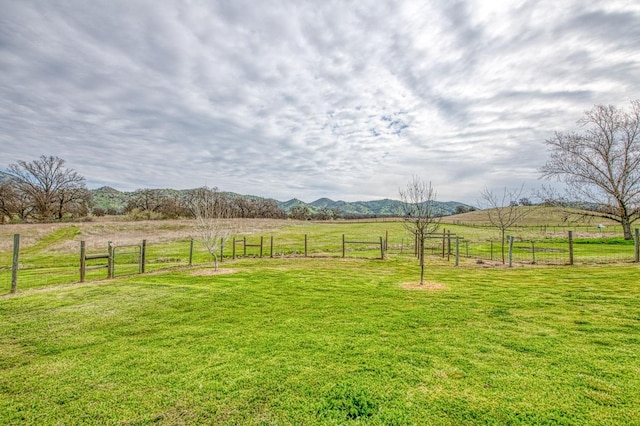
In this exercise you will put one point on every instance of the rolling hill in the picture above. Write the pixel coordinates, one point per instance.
(110, 198)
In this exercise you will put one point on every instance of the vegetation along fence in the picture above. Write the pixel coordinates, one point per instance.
(32, 266)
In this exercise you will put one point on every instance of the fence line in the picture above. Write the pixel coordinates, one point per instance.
(30, 269)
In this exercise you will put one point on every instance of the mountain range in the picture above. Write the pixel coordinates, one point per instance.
(110, 198)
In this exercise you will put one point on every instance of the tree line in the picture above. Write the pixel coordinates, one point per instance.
(158, 204)
(45, 190)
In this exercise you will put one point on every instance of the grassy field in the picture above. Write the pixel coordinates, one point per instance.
(299, 341)
(319, 340)
(49, 253)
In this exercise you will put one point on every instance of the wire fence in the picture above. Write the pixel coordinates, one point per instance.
(40, 268)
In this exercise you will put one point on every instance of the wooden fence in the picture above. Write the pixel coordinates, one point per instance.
(132, 258)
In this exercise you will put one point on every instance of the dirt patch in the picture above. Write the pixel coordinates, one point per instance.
(209, 272)
(427, 285)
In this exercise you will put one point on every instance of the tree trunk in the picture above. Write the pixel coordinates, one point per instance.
(421, 260)
(626, 228)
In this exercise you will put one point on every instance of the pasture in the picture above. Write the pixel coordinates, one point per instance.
(318, 340)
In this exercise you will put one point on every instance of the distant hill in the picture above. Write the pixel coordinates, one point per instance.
(537, 216)
(108, 198)
(384, 207)
(288, 205)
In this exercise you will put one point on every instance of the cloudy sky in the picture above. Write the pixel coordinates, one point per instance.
(308, 99)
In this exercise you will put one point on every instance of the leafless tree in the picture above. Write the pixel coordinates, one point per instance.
(211, 210)
(421, 213)
(8, 201)
(300, 212)
(45, 183)
(146, 201)
(268, 209)
(75, 201)
(601, 165)
(172, 207)
(503, 210)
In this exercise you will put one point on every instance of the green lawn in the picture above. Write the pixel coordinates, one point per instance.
(327, 341)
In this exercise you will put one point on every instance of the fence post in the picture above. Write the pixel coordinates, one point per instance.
(244, 244)
(191, 252)
(570, 247)
(457, 251)
(386, 241)
(15, 264)
(343, 245)
(271, 248)
(444, 241)
(143, 256)
(448, 245)
(221, 249)
(261, 244)
(637, 257)
(305, 244)
(234, 248)
(491, 250)
(510, 250)
(83, 261)
(533, 252)
(110, 261)
(381, 249)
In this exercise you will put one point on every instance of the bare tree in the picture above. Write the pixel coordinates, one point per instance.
(8, 201)
(172, 207)
(503, 211)
(74, 201)
(268, 208)
(146, 201)
(300, 212)
(421, 213)
(44, 182)
(210, 209)
(601, 166)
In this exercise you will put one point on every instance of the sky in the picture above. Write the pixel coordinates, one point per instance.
(307, 99)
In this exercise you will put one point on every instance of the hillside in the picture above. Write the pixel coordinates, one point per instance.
(538, 215)
(108, 198)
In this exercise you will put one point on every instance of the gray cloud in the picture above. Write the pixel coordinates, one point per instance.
(288, 99)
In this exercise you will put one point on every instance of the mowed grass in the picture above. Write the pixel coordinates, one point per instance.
(327, 341)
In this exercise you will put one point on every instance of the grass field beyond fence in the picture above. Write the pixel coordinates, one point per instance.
(50, 253)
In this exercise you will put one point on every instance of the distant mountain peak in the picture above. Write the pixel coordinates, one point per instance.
(322, 202)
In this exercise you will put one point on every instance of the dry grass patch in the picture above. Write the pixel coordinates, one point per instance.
(427, 285)
(98, 232)
(209, 272)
